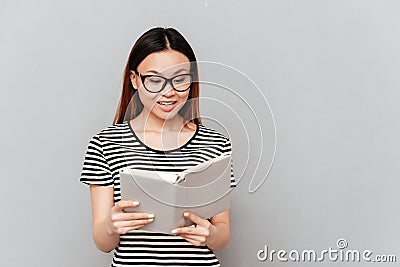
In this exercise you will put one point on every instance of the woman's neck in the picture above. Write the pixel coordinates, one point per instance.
(149, 122)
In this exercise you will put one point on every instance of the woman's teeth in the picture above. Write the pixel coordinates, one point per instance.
(166, 103)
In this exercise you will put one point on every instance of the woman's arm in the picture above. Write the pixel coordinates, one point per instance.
(102, 202)
(221, 222)
(214, 234)
(109, 220)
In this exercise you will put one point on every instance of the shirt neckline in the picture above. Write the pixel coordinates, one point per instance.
(158, 150)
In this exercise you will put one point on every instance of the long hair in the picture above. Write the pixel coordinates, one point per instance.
(156, 40)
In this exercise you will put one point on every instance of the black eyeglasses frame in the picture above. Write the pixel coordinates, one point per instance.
(166, 81)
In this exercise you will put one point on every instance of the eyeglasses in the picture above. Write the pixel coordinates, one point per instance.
(156, 83)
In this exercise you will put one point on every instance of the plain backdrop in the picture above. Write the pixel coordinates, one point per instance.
(329, 71)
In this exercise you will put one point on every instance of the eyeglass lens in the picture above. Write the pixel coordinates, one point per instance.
(157, 83)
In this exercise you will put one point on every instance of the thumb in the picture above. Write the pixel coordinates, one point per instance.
(195, 218)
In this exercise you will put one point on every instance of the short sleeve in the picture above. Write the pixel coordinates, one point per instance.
(228, 150)
(95, 169)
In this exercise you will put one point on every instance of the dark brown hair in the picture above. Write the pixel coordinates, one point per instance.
(156, 40)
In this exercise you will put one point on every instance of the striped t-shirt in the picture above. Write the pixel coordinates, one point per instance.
(118, 146)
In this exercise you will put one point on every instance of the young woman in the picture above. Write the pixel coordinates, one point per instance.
(157, 126)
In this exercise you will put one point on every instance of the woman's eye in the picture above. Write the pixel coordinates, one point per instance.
(182, 79)
(155, 80)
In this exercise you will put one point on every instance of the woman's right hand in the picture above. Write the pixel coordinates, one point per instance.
(121, 222)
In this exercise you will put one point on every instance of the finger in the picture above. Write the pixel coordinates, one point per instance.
(194, 218)
(195, 240)
(199, 238)
(141, 215)
(128, 229)
(120, 205)
(122, 216)
(188, 230)
(121, 224)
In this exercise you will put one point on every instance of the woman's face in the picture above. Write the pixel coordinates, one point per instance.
(166, 103)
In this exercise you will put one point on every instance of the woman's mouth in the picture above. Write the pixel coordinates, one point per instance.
(166, 105)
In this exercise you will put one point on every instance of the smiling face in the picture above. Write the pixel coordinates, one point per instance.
(163, 105)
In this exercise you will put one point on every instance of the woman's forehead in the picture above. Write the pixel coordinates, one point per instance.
(165, 62)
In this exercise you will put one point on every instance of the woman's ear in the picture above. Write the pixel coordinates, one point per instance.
(133, 76)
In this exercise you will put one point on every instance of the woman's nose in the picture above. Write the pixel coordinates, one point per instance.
(168, 90)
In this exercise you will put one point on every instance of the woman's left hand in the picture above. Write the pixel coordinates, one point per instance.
(201, 234)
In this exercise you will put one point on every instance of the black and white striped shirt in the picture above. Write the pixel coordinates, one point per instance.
(116, 147)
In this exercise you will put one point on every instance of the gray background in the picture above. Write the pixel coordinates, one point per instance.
(329, 70)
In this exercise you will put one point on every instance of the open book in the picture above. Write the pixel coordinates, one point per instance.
(203, 189)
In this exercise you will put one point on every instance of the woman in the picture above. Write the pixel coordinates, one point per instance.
(163, 131)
